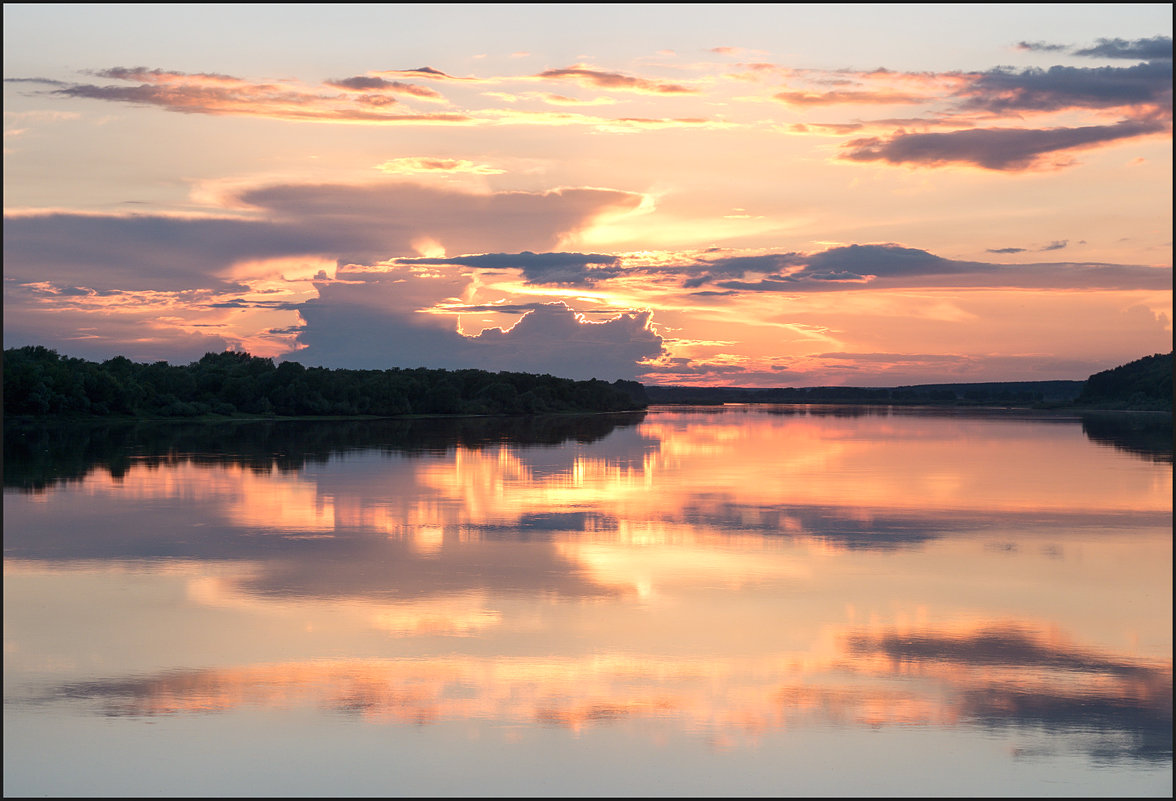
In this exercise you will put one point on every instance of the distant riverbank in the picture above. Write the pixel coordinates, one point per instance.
(1142, 385)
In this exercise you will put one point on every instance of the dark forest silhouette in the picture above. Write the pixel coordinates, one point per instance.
(40, 382)
(1145, 383)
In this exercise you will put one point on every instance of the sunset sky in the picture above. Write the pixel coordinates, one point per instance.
(752, 195)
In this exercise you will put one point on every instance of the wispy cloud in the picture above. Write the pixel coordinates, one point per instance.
(423, 72)
(212, 93)
(368, 83)
(367, 99)
(1156, 48)
(541, 268)
(1042, 47)
(1141, 94)
(1007, 149)
(588, 76)
(419, 164)
(845, 97)
(858, 267)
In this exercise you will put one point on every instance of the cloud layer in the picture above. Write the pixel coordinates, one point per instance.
(1139, 94)
(679, 218)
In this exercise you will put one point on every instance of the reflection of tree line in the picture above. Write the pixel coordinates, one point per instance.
(993, 393)
(1147, 435)
(37, 455)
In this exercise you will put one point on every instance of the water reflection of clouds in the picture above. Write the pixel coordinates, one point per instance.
(1001, 676)
(375, 524)
(1014, 676)
(464, 614)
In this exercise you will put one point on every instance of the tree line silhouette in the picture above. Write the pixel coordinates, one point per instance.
(1144, 384)
(1035, 393)
(40, 382)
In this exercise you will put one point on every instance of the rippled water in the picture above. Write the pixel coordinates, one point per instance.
(690, 601)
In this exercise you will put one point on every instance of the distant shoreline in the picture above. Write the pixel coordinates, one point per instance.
(1145, 384)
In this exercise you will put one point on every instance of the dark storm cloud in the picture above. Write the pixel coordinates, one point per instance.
(1041, 47)
(888, 266)
(1006, 149)
(540, 268)
(1157, 48)
(1142, 93)
(1001, 90)
(366, 322)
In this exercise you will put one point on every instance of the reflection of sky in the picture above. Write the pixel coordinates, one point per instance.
(729, 575)
(436, 523)
(995, 677)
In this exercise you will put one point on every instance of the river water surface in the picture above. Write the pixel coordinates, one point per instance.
(740, 600)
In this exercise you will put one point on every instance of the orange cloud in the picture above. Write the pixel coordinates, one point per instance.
(832, 98)
(415, 165)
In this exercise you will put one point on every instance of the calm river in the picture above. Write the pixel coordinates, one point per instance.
(738, 600)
